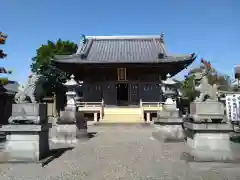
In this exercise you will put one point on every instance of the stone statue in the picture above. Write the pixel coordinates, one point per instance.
(26, 93)
(207, 92)
(20, 95)
(27, 110)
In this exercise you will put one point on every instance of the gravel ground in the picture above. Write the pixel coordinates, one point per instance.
(121, 152)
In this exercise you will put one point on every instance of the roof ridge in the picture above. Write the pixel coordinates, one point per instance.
(124, 37)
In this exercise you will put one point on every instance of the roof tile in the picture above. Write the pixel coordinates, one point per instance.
(122, 49)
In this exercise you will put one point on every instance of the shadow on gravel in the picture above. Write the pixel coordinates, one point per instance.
(91, 134)
(187, 157)
(86, 136)
(54, 154)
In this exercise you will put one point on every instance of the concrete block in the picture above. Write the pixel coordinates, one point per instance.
(26, 147)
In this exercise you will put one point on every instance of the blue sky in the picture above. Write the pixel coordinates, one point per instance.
(211, 28)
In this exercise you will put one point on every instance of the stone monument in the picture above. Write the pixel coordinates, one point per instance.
(27, 131)
(206, 127)
(168, 119)
(71, 123)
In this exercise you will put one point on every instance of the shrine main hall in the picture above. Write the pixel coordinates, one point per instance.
(122, 70)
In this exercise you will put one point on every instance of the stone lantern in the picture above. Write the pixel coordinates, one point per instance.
(71, 125)
(169, 120)
(71, 94)
(69, 113)
(169, 92)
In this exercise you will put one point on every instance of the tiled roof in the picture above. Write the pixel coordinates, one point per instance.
(3, 70)
(122, 49)
(12, 86)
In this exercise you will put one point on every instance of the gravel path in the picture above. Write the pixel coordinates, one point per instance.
(127, 153)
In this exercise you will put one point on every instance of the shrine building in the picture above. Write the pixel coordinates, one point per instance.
(121, 70)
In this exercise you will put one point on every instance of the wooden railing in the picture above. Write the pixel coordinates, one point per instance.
(93, 107)
(149, 106)
(90, 104)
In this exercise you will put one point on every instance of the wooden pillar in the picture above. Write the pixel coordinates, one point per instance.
(54, 105)
(55, 114)
(95, 116)
(148, 116)
(101, 115)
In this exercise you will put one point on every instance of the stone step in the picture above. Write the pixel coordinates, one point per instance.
(122, 118)
(121, 111)
(137, 124)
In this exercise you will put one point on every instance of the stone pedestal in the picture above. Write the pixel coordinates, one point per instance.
(64, 134)
(207, 111)
(169, 126)
(81, 124)
(26, 133)
(33, 113)
(209, 142)
(68, 132)
(68, 116)
(26, 143)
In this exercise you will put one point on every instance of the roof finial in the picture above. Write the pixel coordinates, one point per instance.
(83, 38)
(72, 76)
(161, 37)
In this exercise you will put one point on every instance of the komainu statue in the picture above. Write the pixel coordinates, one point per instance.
(207, 92)
(27, 93)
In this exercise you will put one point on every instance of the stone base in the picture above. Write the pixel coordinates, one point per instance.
(168, 114)
(82, 134)
(64, 134)
(168, 121)
(28, 112)
(169, 133)
(210, 144)
(81, 124)
(207, 111)
(26, 146)
(67, 117)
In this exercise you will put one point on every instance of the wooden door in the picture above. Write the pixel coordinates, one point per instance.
(134, 93)
(110, 93)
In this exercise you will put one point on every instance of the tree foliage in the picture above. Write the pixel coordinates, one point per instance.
(47, 52)
(3, 38)
(52, 79)
(214, 77)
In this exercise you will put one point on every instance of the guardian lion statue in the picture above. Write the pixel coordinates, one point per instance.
(27, 93)
(207, 92)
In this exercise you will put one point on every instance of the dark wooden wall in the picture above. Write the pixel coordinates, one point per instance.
(6, 102)
(143, 83)
(147, 91)
(100, 80)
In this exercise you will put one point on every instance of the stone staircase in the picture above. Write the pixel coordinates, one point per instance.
(121, 115)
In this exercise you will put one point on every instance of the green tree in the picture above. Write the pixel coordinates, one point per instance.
(3, 38)
(46, 52)
(214, 77)
(52, 78)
